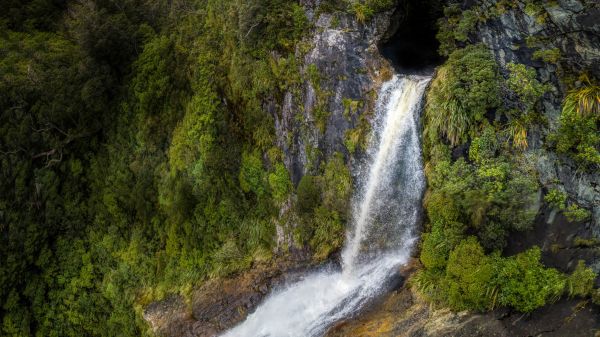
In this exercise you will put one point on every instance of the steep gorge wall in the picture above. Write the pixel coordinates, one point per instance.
(573, 28)
(513, 34)
(327, 116)
(342, 68)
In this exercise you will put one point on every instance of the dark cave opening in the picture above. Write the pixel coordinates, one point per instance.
(411, 45)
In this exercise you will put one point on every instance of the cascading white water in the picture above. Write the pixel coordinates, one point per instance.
(395, 174)
(385, 215)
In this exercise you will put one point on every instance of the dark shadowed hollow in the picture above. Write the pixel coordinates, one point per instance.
(411, 45)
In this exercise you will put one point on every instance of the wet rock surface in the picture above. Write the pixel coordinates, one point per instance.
(570, 27)
(405, 314)
(220, 304)
(341, 67)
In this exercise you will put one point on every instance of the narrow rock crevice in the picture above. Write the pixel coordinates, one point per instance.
(410, 43)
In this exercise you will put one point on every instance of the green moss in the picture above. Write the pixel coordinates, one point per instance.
(596, 296)
(356, 139)
(351, 106)
(320, 112)
(585, 243)
(535, 9)
(337, 185)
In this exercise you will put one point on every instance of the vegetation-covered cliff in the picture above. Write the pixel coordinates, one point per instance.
(164, 164)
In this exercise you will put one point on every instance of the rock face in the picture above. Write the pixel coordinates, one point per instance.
(573, 28)
(221, 303)
(405, 314)
(342, 70)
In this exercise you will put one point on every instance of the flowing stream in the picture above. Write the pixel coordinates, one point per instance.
(386, 210)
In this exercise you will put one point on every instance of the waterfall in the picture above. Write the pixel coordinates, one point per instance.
(385, 214)
(386, 210)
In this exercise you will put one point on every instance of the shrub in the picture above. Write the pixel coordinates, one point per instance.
(309, 194)
(466, 25)
(492, 236)
(577, 135)
(437, 245)
(455, 26)
(596, 296)
(441, 208)
(547, 55)
(337, 185)
(229, 259)
(484, 147)
(257, 234)
(363, 12)
(525, 284)
(576, 213)
(381, 5)
(329, 233)
(556, 199)
(428, 283)
(252, 175)
(581, 281)
(469, 277)
(515, 205)
(522, 80)
(462, 92)
(280, 183)
(585, 100)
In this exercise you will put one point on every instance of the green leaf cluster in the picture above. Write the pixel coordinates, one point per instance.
(323, 203)
(136, 154)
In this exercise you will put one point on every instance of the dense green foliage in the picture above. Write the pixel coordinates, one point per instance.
(323, 205)
(464, 89)
(480, 184)
(137, 157)
(475, 281)
(578, 135)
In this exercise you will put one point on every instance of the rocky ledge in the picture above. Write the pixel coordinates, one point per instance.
(405, 314)
(220, 303)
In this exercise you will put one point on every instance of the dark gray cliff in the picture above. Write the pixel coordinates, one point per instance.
(573, 27)
(342, 69)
